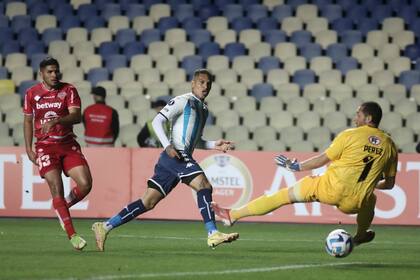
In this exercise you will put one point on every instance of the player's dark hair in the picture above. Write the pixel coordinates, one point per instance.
(48, 61)
(203, 71)
(374, 110)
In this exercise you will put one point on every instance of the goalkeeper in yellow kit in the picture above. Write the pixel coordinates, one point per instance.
(362, 159)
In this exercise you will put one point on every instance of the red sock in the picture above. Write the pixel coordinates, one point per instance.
(75, 196)
(63, 214)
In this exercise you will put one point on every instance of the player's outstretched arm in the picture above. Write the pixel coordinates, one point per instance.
(309, 164)
(28, 134)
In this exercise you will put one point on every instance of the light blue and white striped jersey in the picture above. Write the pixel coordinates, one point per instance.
(188, 116)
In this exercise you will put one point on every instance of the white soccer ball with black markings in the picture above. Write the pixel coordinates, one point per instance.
(339, 243)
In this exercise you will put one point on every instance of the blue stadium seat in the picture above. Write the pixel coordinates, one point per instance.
(34, 47)
(107, 49)
(356, 13)
(268, 23)
(197, 4)
(221, 4)
(192, 23)
(125, 36)
(25, 85)
(273, 37)
(149, 3)
(241, 23)
(52, 34)
(372, 4)
(36, 59)
(332, 12)
(310, 50)
(125, 4)
(337, 51)
(381, 12)
(301, 38)
(20, 22)
(304, 77)
(100, 4)
(234, 49)
(10, 47)
(6, 34)
(346, 4)
(150, 35)
(351, 37)
(184, 11)
(115, 61)
(2, 8)
(166, 23)
(207, 49)
(199, 36)
(367, 24)
(233, 11)
(322, 3)
(409, 78)
(190, 63)
(98, 74)
(396, 5)
(135, 10)
(39, 9)
(3, 73)
(281, 11)
(417, 64)
(94, 22)
(247, 3)
(69, 21)
(174, 4)
(206, 11)
(412, 51)
(4, 21)
(346, 64)
(256, 12)
(296, 3)
(415, 26)
(407, 13)
(268, 63)
(27, 35)
(259, 91)
(63, 10)
(110, 10)
(53, 4)
(133, 48)
(342, 24)
(86, 11)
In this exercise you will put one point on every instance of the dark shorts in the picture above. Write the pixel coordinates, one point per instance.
(61, 156)
(170, 171)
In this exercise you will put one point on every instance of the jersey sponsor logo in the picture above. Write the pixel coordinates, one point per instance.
(230, 178)
(49, 105)
(171, 102)
(62, 95)
(374, 140)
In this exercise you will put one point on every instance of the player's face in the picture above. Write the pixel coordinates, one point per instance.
(50, 75)
(360, 119)
(201, 86)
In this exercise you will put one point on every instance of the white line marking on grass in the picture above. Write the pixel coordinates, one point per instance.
(222, 272)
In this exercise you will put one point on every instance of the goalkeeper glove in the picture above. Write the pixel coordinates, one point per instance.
(287, 163)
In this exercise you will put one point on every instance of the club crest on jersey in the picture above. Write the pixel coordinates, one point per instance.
(37, 98)
(62, 95)
(374, 140)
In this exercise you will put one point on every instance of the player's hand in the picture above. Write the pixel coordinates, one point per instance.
(171, 152)
(46, 127)
(32, 156)
(224, 145)
(291, 165)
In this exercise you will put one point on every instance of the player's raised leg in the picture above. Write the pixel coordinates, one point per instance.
(128, 213)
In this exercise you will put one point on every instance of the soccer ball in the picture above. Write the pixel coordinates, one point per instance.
(339, 243)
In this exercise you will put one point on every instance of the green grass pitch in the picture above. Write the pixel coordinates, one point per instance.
(39, 249)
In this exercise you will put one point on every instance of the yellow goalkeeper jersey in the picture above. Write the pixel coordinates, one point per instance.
(360, 158)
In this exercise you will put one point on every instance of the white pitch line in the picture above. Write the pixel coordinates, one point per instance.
(222, 272)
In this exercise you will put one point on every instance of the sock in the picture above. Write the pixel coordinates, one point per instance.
(365, 215)
(262, 205)
(74, 196)
(204, 199)
(63, 214)
(128, 213)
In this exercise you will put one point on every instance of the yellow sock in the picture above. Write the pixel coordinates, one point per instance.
(262, 205)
